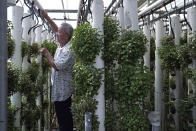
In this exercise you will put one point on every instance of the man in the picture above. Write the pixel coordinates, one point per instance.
(62, 67)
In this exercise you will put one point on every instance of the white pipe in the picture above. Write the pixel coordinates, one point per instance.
(157, 3)
(120, 17)
(17, 13)
(131, 14)
(44, 36)
(98, 18)
(146, 31)
(177, 92)
(158, 71)
(26, 24)
(32, 33)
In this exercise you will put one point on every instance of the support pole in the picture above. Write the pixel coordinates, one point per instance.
(178, 77)
(158, 70)
(131, 14)
(192, 20)
(17, 13)
(98, 18)
(3, 66)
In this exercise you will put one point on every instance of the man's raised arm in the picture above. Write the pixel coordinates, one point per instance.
(50, 21)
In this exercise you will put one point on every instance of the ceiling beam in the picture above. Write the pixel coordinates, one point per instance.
(61, 11)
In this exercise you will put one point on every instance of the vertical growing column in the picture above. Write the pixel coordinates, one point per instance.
(98, 18)
(26, 25)
(178, 77)
(192, 20)
(131, 14)
(158, 70)
(38, 40)
(120, 17)
(17, 13)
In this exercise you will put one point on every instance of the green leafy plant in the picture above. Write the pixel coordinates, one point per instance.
(35, 49)
(184, 54)
(193, 46)
(86, 43)
(50, 46)
(168, 54)
(25, 49)
(11, 43)
(87, 79)
(33, 70)
(13, 78)
(130, 47)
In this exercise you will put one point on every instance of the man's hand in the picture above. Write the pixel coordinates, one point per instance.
(45, 52)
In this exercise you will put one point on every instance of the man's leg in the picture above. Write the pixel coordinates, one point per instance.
(64, 115)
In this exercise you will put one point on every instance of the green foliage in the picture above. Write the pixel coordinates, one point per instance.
(11, 43)
(111, 30)
(184, 55)
(50, 46)
(183, 40)
(11, 46)
(193, 46)
(30, 115)
(11, 113)
(133, 119)
(130, 47)
(34, 49)
(127, 82)
(45, 65)
(87, 79)
(110, 25)
(33, 70)
(25, 49)
(86, 43)
(168, 54)
(82, 105)
(13, 78)
(132, 83)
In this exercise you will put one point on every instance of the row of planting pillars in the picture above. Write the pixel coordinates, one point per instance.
(127, 16)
